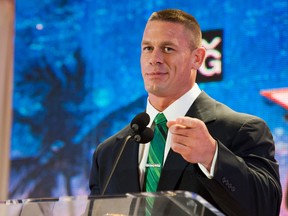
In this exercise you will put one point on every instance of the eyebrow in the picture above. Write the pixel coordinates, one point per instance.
(164, 43)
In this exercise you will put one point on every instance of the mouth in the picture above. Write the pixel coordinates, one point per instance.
(156, 74)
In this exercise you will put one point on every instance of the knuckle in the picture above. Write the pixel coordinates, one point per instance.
(176, 138)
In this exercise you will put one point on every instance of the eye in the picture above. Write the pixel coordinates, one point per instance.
(147, 48)
(168, 49)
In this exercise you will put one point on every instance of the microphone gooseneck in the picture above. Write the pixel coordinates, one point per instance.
(140, 134)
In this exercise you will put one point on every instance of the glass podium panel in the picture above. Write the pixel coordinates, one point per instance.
(176, 203)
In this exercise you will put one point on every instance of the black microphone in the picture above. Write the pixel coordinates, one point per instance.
(145, 136)
(140, 133)
(140, 122)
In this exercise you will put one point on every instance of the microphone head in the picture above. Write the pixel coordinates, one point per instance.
(146, 135)
(140, 122)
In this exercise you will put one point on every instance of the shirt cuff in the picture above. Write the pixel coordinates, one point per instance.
(210, 174)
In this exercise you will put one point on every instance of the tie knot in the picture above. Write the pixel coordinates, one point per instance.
(160, 119)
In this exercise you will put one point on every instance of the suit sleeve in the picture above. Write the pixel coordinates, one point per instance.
(246, 179)
(93, 180)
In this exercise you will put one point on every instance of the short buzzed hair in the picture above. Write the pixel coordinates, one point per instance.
(181, 17)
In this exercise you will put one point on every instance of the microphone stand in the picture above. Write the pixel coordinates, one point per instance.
(140, 134)
(115, 164)
(91, 203)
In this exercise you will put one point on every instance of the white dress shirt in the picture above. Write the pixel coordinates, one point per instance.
(177, 109)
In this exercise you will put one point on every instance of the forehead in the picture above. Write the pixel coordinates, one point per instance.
(162, 30)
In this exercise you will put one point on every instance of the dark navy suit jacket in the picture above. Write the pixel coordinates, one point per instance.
(246, 179)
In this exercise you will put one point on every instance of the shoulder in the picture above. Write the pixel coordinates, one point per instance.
(226, 115)
(208, 109)
(111, 143)
(224, 122)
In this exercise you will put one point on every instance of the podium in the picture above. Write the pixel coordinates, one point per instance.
(174, 203)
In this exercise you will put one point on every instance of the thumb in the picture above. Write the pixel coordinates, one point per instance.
(170, 123)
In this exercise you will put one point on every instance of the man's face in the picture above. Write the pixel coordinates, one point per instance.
(167, 59)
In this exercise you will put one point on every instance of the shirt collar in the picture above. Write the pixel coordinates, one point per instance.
(178, 108)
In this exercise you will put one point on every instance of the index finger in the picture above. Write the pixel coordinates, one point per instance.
(188, 122)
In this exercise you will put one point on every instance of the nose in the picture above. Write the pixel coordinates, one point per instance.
(156, 57)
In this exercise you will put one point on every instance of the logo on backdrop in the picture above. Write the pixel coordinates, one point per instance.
(211, 69)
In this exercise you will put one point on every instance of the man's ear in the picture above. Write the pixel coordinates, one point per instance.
(199, 56)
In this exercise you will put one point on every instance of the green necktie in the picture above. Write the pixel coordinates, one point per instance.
(155, 159)
(156, 153)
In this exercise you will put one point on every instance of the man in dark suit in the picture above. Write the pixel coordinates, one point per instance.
(224, 156)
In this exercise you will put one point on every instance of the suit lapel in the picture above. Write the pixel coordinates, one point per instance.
(171, 172)
(204, 109)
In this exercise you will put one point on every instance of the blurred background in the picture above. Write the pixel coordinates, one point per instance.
(77, 79)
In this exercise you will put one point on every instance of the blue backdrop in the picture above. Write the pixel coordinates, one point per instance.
(77, 67)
